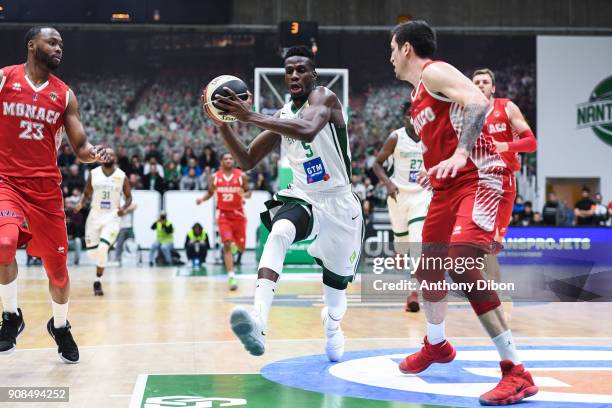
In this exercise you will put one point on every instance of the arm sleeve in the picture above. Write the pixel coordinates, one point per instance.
(526, 144)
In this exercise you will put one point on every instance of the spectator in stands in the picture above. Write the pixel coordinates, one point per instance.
(66, 158)
(123, 162)
(153, 181)
(192, 163)
(149, 164)
(569, 215)
(369, 191)
(368, 217)
(519, 206)
(585, 208)
(526, 216)
(74, 230)
(73, 180)
(537, 219)
(197, 245)
(172, 176)
(176, 159)
(135, 182)
(600, 211)
(553, 212)
(358, 186)
(187, 154)
(74, 198)
(190, 181)
(209, 158)
(136, 166)
(151, 150)
(164, 242)
(261, 183)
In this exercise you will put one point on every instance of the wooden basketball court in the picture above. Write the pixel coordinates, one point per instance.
(164, 333)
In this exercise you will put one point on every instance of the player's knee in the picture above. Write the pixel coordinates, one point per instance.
(227, 246)
(9, 235)
(283, 233)
(102, 255)
(56, 269)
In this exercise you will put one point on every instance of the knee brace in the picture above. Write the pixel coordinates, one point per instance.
(9, 236)
(482, 300)
(280, 239)
(55, 267)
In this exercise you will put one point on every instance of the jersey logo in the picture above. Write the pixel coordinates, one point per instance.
(53, 96)
(315, 171)
(497, 127)
(17, 87)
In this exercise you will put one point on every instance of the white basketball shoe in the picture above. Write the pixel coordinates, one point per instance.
(334, 338)
(249, 329)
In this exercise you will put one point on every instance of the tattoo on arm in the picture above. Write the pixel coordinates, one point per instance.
(474, 116)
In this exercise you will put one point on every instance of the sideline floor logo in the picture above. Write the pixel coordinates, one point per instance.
(567, 376)
(597, 112)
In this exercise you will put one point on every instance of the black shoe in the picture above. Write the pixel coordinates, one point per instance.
(66, 347)
(98, 289)
(12, 326)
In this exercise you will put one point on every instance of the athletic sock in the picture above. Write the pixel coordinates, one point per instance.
(435, 333)
(8, 293)
(335, 300)
(506, 347)
(60, 313)
(264, 294)
(230, 274)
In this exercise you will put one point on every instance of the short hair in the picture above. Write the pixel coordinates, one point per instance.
(419, 34)
(224, 153)
(485, 71)
(300, 51)
(585, 188)
(33, 32)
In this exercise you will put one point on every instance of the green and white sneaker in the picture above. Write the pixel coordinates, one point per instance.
(233, 283)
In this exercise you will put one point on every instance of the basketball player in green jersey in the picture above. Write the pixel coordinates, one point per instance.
(318, 203)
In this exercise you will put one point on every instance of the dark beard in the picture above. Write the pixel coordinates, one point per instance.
(108, 165)
(46, 60)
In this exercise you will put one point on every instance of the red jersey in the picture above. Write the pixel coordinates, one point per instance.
(229, 189)
(497, 126)
(31, 124)
(438, 120)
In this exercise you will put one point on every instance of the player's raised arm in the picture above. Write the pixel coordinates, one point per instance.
(127, 194)
(315, 117)
(383, 154)
(446, 81)
(85, 151)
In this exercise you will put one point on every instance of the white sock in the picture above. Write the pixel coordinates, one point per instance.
(8, 293)
(435, 333)
(506, 347)
(231, 274)
(264, 294)
(60, 313)
(336, 303)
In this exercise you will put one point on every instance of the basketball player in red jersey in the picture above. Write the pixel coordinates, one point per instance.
(510, 134)
(467, 175)
(231, 185)
(35, 108)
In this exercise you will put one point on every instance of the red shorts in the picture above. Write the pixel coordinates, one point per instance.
(36, 206)
(232, 227)
(469, 212)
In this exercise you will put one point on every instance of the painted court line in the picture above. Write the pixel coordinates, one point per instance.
(139, 389)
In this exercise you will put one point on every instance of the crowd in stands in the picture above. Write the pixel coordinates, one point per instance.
(556, 212)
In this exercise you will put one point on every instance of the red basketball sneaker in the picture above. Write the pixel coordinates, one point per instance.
(437, 353)
(515, 385)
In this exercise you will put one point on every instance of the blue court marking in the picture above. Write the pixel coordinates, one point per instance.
(311, 373)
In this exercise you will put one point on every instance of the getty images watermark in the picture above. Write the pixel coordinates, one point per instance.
(405, 265)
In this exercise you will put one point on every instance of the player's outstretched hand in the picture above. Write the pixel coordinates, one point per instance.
(392, 191)
(450, 166)
(102, 154)
(235, 106)
(423, 180)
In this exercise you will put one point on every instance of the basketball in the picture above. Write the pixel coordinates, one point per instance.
(216, 87)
